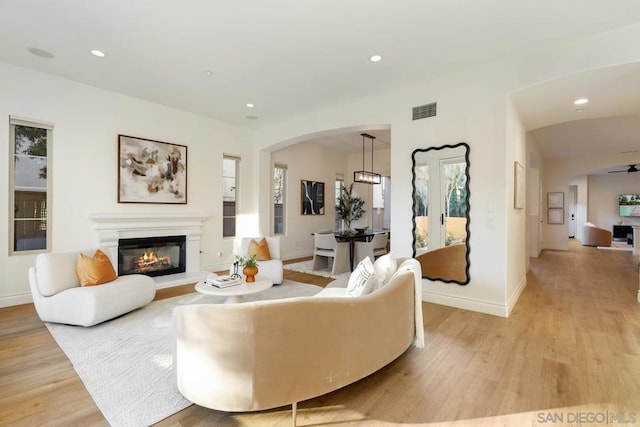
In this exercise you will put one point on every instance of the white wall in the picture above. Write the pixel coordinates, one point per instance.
(533, 212)
(470, 110)
(307, 162)
(516, 242)
(87, 123)
(556, 179)
(472, 107)
(535, 171)
(603, 198)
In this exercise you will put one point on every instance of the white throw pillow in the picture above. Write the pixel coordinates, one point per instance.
(384, 268)
(363, 280)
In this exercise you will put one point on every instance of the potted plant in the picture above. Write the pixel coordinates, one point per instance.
(250, 269)
(349, 207)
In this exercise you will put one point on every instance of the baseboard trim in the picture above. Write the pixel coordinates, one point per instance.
(515, 296)
(480, 306)
(16, 299)
(296, 255)
(218, 267)
(171, 280)
(534, 254)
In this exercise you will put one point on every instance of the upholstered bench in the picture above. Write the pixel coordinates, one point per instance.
(59, 297)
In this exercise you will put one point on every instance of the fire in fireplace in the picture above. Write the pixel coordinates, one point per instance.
(153, 256)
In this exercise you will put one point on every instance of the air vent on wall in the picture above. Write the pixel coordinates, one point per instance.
(424, 111)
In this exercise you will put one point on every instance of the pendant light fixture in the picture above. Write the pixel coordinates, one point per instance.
(364, 176)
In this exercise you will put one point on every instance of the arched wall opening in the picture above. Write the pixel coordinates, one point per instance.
(320, 156)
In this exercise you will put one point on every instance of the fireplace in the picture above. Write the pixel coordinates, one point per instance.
(153, 256)
(114, 227)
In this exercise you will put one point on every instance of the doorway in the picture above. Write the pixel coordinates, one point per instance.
(572, 207)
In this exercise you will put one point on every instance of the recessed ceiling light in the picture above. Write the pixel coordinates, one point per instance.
(98, 53)
(209, 73)
(40, 52)
(250, 105)
(251, 117)
(581, 101)
(579, 110)
(375, 58)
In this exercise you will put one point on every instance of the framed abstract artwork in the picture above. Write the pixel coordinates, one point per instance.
(555, 216)
(151, 171)
(312, 197)
(555, 199)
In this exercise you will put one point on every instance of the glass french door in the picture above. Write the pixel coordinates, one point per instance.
(453, 230)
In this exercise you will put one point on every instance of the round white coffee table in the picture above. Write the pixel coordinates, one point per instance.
(235, 294)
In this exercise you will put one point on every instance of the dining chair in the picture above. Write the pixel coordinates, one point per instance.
(331, 254)
(372, 249)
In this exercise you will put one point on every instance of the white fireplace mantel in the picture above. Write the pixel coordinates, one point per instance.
(106, 221)
(112, 227)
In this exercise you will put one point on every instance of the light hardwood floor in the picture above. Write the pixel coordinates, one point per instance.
(570, 349)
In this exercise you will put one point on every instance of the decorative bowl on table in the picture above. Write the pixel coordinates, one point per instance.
(362, 230)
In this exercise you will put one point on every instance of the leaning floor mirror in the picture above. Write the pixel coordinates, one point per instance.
(441, 212)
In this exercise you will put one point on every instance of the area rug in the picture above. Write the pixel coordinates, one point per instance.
(307, 267)
(126, 364)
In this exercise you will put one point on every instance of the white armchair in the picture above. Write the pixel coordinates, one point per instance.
(271, 269)
(58, 296)
(329, 253)
(373, 249)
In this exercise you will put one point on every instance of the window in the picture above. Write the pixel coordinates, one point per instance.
(381, 217)
(339, 185)
(279, 197)
(229, 195)
(30, 188)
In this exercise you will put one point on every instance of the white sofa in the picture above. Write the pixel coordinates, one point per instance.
(264, 354)
(271, 269)
(59, 298)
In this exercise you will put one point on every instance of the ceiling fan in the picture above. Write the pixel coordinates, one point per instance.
(632, 168)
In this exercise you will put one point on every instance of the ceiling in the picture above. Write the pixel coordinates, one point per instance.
(213, 57)
(351, 141)
(608, 124)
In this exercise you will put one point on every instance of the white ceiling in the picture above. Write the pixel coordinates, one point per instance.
(290, 55)
(608, 124)
(351, 142)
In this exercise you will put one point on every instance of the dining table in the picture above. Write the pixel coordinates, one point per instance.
(352, 236)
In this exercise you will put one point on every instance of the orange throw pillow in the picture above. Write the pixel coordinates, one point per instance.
(95, 270)
(261, 249)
